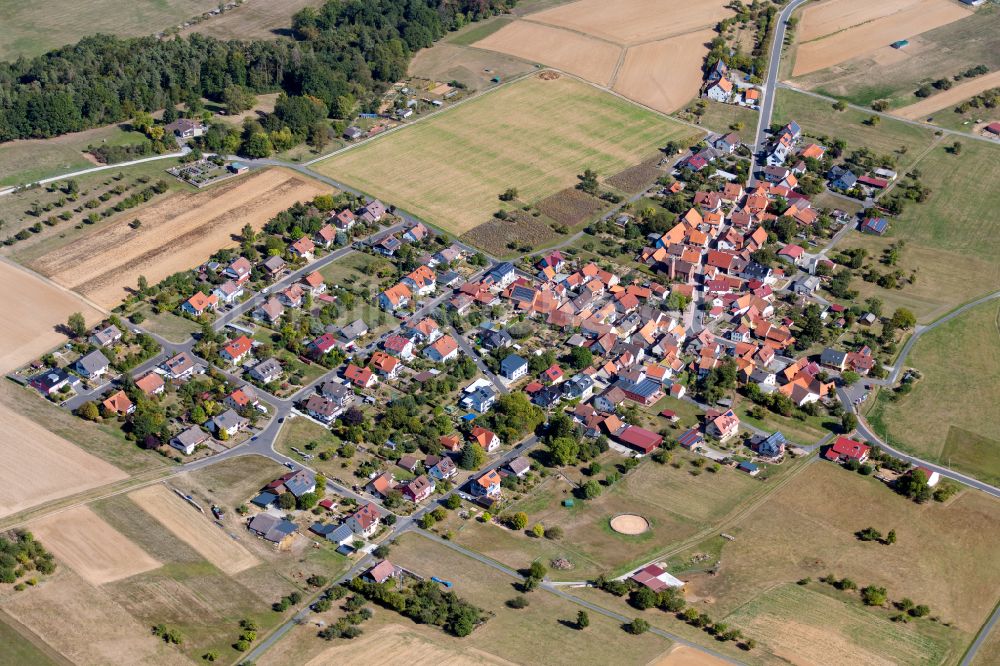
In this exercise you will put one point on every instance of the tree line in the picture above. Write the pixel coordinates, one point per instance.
(344, 54)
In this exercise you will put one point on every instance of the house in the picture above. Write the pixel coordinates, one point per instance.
(236, 350)
(264, 500)
(360, 377)
(386, 365)
(552, 374)
(242, 398)
(501, 275)
(372, 212)
(382, 484)
(579, 386)
(270, 311)
(314, 283)
(230, 422)
(352, 133)
(487, 485)
(690, 438)
(382, 572)
(421, 281)
(874, 225)
(426, 330)
(444, 349)
(480, 399)
(107, 335)
(791, 253)
(721, 90)
(51, 381)
(415, 233)
(239, 270)
(92, 365)
(320, 408)
(933, 478)
(409, 463)
(418, 489)
(150, 384)
(399, 346)
(300, 482)
(513, 367)
(180, 366)
(267, 371)
(833, 358)
(387, 245)
(273, 266)
(200, 303)
(395, 297)
(655, 578)
(119, 404)
(303, 248)
(185, 128)
(341, 395)
(495, 339)
(844, 450)
(228, 292)
(443, 469)
(727, 143)
(487, 439)
(519, 466)
(719, 70)
(322, 345)
(326, 236)
(640, 439)
(365, 521)
(188, 440)
(772, 446)
(841, 178)
(356, 329)
(292, 296)
(344, 220)
(274, 529)
(451, 443)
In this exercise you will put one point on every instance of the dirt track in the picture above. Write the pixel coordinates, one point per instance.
(644, 78)
(32, 310)
(177, 233)
(949, 98)
(865, 38)
(89, 546)
(39, 466)
(194, 529)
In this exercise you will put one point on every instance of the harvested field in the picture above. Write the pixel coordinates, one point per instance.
(395, 645)
(496, 236)
(89, 546)
(644, 78)
(570, 206)
(86, 625)
(177, 233)
(536, 135)
(825, 18)
(633, 21)
(950, 97)
(39, 466)
(637, 178)
(193, 529)
(33, 312)
(858, 40)
(586, 57)
(253, 20)
(446, 62)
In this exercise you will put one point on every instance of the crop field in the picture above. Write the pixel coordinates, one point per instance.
(97, 552)
(177, 233)
(950, 416)
(942, 557)
(829, 35)
(622, 45)
(534, 134)
(895, 74)
(194, 529)
(500, 237)
(808, 627)
(40, 466)
(30, 28)
(253, 20)
(34, 311)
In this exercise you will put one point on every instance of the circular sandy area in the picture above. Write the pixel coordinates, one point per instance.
(629, 523)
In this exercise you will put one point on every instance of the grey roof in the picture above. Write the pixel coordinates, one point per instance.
(228, 419)
(519, 465)
(342, 534)
(267, 369)
(335, 391)
(510, 364)
(301, 483)
(274, 263)
(645, 388)
(193, 436)
(832, 356)
(272, 528)
(93, 362)
(264, 499)
(106, 335)
(354, 330)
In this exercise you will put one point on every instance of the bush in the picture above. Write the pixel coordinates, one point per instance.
(517, 602)
(637, 626)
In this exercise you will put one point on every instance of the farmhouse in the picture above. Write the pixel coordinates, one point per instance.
(278, 531)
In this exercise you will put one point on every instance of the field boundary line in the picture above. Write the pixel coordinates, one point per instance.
(581, 33)
(34, 639)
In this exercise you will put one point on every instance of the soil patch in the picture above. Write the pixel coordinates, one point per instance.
(39, 466)
(194, 529)
(637, 178)
(570, 206)
(629, 523)
(495, 236)
(177, 233)
(89, 546)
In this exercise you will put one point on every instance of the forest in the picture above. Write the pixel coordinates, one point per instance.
(344, 54)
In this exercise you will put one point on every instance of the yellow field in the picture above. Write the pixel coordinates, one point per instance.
(535, 135)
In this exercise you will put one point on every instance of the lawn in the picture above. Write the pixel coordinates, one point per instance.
(169, 325)
(805, 432)
(16, 649)
(535, 135)
(720, 117)
(951, 416)
(31, 28)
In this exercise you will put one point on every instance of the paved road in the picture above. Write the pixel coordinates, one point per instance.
(984, 631)
(471, 353)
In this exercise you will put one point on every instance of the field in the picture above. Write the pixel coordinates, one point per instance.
(839, 35)
(720, 117)
(18, 648)
(177, 233)
(535, 135)
(193, 529)
(542, 633)
(495, 236)
(895, 74)
(951, 97)
(30, 28)
(254, 20)
(450, 61)
(97, 552)
(622, 45)
(34, 311)
(950, 416)
(40, 466)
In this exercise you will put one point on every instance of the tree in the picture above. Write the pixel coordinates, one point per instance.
(874, 596)
(890, 538)
(237, 99)
(319, 135)
(637, 626)
(643, 598)
(903, 319)
(509, 194)
(538, 530)
(580, 358)
(77, 324)
(453, 501)
(588, 182)
(564, 450)
(89, 411)
(473, 456)
(518, 521)
(840, 105)
(591, 489)
(286, 501)
(848, 421)
(582, 620)
(517, 602)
